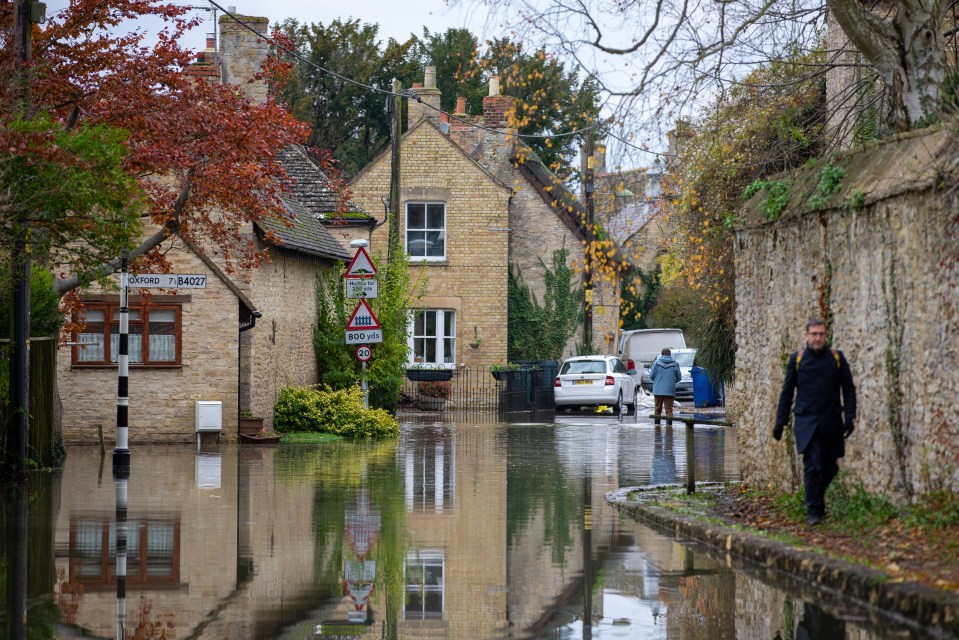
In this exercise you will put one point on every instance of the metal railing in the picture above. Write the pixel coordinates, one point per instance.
(524, 394)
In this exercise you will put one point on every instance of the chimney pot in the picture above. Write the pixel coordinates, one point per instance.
(444, 117)
(460, 105)
(429, 78)
(210, 41)
(231, 9)
(494, 86)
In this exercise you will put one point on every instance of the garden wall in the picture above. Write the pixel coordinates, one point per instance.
(873, 249)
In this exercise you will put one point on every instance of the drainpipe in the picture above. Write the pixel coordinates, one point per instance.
(239, 358)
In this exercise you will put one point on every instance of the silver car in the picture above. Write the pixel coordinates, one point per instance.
(594, 381)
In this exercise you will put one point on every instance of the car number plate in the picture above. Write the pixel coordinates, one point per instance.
(582, 382)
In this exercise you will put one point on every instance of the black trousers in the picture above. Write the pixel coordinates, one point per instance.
(819, 469)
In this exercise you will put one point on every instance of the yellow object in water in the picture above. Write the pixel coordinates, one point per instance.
(603, 409)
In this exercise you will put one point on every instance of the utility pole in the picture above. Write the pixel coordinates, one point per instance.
(590, 238)
(25, 13)
(393, 107)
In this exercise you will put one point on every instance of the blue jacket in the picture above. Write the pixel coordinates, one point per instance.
(665, 374)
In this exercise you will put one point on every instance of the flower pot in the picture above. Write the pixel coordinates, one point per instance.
(250, 426)
(429, 375)
(506, 374)
(429, 403)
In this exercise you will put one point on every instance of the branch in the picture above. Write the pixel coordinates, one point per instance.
(64, 285)
(870, 34)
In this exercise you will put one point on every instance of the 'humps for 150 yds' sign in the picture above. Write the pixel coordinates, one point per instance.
(164, 280)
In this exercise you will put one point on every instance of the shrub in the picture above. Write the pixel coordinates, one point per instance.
(440, 389)
(322, 409)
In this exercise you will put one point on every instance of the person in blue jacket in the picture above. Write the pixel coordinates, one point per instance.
(824, 414)
(665, 374)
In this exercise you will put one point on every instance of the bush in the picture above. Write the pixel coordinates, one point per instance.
(321, 409)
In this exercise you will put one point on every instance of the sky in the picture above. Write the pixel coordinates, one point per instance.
(396, 19)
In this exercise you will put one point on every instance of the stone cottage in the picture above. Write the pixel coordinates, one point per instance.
(475, 201)
(237, 341)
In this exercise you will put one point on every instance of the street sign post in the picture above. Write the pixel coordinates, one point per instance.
(364, 353)
(362, 328)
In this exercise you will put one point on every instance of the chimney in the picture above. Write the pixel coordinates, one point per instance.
(462, 131)
(429, 96)
(205, 67)
(242, 54)
(496, 108)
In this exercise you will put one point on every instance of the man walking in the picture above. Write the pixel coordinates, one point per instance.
(665, 374)
(817, 375)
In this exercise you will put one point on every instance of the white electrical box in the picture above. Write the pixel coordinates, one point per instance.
(209, 417)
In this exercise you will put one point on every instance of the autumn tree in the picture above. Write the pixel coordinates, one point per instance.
(659, 58)
(119, 131)
(749, 135)
(345, 116)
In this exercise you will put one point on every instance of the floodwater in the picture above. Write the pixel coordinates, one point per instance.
(457, 530)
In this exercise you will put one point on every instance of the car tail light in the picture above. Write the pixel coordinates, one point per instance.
(630, 364)
(556, 382)
(610, 381)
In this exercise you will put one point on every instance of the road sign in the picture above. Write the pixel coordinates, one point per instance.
(163, 280)
(366, 336)
(362, 318)
(363, 353)
(361, 288)
(363, 327)
(361, 266)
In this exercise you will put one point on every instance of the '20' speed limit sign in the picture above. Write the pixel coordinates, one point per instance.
(364, 353)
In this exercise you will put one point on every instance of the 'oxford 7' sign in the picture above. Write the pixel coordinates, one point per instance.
(163, 280)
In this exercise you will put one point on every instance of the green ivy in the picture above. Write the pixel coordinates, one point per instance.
(830, 182)
(779, 192)
(541, 332)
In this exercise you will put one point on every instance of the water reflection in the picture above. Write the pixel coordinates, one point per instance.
(453, 531)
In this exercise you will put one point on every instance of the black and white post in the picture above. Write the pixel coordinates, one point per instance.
(121, 568)
(121, 454)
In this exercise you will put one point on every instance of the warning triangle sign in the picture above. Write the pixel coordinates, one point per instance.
(362, 318)
(361, 266)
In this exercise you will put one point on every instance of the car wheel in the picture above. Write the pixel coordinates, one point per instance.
(618, 407)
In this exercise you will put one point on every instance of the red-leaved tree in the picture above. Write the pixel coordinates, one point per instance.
(200, 157)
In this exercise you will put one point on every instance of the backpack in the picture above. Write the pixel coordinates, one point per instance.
(835, 354)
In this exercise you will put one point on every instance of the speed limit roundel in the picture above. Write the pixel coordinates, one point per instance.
(364, 353)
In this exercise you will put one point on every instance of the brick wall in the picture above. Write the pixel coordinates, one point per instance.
(162, 400)
(472, 279)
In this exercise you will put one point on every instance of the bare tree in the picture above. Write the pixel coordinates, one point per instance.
(660, 58)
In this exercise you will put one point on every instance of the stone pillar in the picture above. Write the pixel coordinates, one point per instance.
(242, 54)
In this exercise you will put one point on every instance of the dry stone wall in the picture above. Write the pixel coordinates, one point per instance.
(879, 263)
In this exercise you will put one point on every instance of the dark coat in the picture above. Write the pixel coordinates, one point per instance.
(817, 383)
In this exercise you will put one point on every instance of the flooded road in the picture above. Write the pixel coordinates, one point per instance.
(457, 530)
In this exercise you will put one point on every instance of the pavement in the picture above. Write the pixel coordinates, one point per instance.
(931, 609)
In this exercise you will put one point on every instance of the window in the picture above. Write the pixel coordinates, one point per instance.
(153, 551)
(424, 585)
(154, 334)
(433, 337)
(426, 230)
(429, 470)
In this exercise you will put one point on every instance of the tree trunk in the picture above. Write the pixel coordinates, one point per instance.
(907, 50)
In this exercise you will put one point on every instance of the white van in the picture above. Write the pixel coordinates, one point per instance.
(639, 347)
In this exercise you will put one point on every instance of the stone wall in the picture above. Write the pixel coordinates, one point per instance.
(285, 293)
(879, 263)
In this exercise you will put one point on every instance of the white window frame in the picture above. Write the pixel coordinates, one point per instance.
(439, 338)
(419, 561)
(424, 230)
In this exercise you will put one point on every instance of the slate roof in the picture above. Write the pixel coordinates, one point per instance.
(307, 235)
(311, 186)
